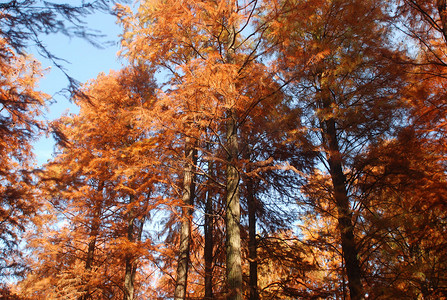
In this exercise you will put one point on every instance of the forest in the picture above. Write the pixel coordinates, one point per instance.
(248, 149)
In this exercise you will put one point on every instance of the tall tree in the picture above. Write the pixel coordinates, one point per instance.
(336, 54)
(425, 23)
(416, 159)
(208, 239)
(21, 25)
(102, 183)
(405, 184)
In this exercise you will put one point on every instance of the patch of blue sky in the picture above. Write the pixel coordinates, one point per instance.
(82, 61)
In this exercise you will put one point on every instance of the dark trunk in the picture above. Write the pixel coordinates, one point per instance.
(209, 242)
(252, 244)
(129, 259)
(93, 236)
(442, 10)
(129, 277)
(349, 249)
(94, 231)
(185, 231)
(135, 225)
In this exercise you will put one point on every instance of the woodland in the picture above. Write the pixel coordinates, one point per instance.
(248, 149)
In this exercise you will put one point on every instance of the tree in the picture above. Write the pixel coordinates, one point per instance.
(188, 195)
(397, 240)
(425, 23)
(20, 104)
(21, 23)
(336, 55)
(272, 158)
(103, 185)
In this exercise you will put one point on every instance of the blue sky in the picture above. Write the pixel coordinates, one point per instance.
(84, 62)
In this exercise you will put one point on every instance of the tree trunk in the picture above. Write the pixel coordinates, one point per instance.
(94, 231)
(185, 231)
(134, 234)
(91, 251)
(129, 278)
(252, 244)
(129, 275)
(349, 249)
(233, 213)
(209, 242)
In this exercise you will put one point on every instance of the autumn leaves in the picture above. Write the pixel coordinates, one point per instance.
(252, 149)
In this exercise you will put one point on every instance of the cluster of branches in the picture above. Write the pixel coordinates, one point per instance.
(24, 22)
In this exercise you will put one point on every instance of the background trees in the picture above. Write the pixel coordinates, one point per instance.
(216, 79)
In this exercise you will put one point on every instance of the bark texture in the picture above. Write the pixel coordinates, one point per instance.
(252, 243)
(130, 269)
(233, 213)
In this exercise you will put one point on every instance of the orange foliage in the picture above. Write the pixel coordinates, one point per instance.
(20, 106)
(103, 180)
(282, 100)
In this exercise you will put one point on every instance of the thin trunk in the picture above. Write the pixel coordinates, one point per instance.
(185, 231)
(129, 276)
(232, 201)
(134, 234)
(233, 213)
(93, 236)
(94, 231)
(209, 242)
(91, 250)
(349, 249)
(252, 243)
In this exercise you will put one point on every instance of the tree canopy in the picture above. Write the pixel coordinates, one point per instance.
(266, 149)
